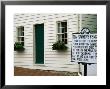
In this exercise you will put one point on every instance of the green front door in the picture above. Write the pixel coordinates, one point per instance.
(39, 43)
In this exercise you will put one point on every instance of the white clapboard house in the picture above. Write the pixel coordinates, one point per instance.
(37, 32)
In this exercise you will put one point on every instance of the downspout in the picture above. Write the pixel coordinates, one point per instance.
(79, 30)
(80, 23)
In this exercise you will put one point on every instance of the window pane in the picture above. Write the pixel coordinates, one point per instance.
(64, 24)
(63, 30)
(23, 33)
(22, 43)
(59, 28)
(65, 41)
(19, 39)
(65, 35)
(60, 37)
(20, 31)
(22, 38)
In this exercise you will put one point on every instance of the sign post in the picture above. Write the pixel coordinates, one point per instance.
(85, 69)
(84, 48)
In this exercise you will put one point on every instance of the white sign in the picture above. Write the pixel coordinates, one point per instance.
(84, 48)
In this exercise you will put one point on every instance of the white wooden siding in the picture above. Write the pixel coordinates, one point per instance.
(54, 60)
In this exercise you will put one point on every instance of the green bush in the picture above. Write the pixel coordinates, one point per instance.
(59, 45)
(18, 46)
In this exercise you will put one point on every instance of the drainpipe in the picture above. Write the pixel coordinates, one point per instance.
(80, 23)
(79, 30)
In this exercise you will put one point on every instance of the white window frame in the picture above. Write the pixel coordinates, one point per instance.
(20, 36)
(58, 33)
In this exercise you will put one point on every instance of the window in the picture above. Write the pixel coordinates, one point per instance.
(62, 31)
(20, 34)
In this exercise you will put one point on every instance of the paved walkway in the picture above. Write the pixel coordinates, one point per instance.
(19, 71)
